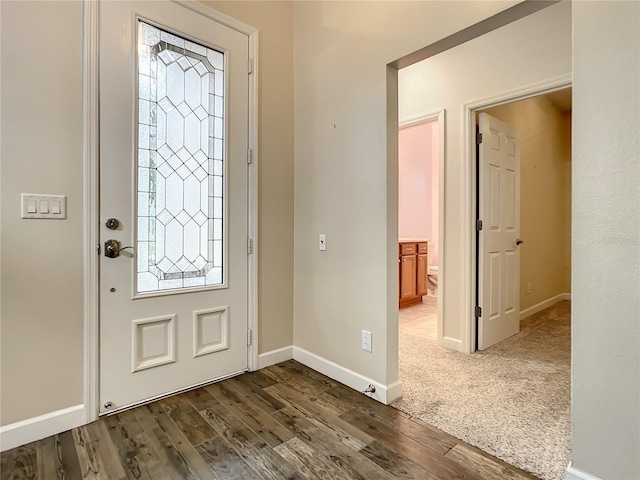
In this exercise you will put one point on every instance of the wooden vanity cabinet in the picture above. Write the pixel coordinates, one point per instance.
(422, 274)
(408, 270)
(413, 269)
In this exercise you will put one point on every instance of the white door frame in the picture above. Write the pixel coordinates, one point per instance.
(471, 174)
(440, 117)
(91, 182)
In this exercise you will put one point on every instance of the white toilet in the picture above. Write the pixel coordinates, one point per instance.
(432, 281)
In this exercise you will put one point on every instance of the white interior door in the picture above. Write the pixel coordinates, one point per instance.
(173, 173)
(498, 251)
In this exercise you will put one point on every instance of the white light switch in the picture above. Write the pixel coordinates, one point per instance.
(43, 206)
(322, 242)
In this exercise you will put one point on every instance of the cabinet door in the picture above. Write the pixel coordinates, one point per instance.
(422, 274)
(407, 276)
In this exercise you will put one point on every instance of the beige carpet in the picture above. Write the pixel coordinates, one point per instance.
(511, 400)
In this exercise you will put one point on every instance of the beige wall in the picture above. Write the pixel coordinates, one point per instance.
(342, 186)
(605, 347)
(42, 287)
(42, 276)
(42, 331)
(545, 190)
(274, 20)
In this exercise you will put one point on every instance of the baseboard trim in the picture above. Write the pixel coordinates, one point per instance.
(394, 392)
(37, 428)
(275, 356)
(451, 343)
(527, 312)
(384, 393)
(575, 474)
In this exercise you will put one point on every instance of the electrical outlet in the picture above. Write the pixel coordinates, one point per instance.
(366, 341)
(529, 288)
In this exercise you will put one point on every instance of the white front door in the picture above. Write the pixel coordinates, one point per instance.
(173, 181)
(498, 251)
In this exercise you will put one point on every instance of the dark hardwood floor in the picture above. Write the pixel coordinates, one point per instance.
(283, 422)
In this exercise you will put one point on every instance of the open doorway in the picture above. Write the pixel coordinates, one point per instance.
(524, 230)
(420, 161)
(525, 413)
(515, 379)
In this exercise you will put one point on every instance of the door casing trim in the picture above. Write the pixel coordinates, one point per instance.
(91, 189)
(90, 193)
(470, 175)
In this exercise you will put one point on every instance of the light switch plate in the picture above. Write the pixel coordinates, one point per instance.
(45, 206)
(322, 242)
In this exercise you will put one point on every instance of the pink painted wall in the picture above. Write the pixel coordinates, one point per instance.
(418, 185)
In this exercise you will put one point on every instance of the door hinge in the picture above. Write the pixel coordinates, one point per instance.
(478, 312)
(478, 225)
(98, 249)
(249, 245)
(249, 156)
(250, 66)
(249, 337)
(478, 138)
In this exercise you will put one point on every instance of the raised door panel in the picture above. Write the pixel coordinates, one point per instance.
(498, 258)
(407, 276)
(422, 274)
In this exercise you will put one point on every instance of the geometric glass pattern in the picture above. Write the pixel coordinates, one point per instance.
(180, 162)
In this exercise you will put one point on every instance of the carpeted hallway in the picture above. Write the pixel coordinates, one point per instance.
(511, 400)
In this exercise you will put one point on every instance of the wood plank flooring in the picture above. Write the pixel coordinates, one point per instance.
(283, 422)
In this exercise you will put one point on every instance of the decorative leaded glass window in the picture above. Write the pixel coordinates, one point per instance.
(180, 162)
